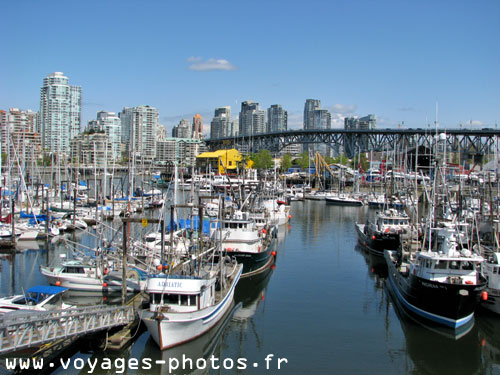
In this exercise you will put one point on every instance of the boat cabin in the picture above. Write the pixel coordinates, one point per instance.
(180, 294)
(391, 221)
(445, 269)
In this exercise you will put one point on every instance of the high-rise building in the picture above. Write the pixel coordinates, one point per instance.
(252, 119)
(277, 118)
(309, 108)
(322, 119)
(354, 123)
(197, 127)
(364, 123)
(182, 130)
(60, 112)
(317, 118)
(221, 123)
(91, 149)
(180, 151)
(19, 136)
(138, 131)
(111, 124)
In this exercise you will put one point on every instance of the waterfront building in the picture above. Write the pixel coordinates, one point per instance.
(19, 137)
(252, 119)
(197, 127)
(138, 131)
(179, 151)
(182, 130)
(60, 112)
(3, 130)
(277, 118)
(221, 161)
(91, 149)
(293, 149)
(111, 124)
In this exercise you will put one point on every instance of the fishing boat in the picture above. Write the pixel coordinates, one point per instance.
(243, 239)
(185, 305)
(443, 286)
(385, 233)
(38, 298)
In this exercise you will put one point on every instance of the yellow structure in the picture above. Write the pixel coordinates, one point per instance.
(222, 161)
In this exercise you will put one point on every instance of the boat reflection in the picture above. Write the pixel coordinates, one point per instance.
(437, 349)
(250, 292)
(488, 324)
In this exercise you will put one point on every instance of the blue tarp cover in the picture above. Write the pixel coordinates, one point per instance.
(47, 289)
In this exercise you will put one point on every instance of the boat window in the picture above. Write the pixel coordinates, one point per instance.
(192, 301)
(73, 270)
(234, 225)
(441, 264)
(467, 266)
(455, 265)
(184, 300)
(155, 298)
(172, 299)
(240, 225)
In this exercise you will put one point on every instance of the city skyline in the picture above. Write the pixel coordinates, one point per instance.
(395, 60)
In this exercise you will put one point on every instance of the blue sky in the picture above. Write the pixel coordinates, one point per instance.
(395, 59)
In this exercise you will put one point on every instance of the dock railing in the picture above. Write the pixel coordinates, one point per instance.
(30, 329)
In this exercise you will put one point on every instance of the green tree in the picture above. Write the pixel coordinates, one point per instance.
(286, 162)
(341, 159)
(262, 160)
(360, 159)
(329, 160)
(303, 160)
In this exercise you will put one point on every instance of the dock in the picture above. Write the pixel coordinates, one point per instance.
(30, 330)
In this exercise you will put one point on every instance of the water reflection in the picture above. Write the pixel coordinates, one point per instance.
(438, 350)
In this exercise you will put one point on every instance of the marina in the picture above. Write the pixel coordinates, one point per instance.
(345, 305)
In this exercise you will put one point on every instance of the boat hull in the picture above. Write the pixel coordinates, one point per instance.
(253, 261)
(381, 242)
(451, 305)
(343, 202)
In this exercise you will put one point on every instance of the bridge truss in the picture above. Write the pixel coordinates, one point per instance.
(351, 142)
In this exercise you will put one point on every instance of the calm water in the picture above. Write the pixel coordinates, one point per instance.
(324, 308)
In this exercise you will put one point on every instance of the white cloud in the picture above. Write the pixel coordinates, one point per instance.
(476, 123)
(344, 109)
(200, 65)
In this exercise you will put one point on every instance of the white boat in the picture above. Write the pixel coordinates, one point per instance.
(491, 270)
(344, 200)
(76, 275)
(184, 307)
(39, 298)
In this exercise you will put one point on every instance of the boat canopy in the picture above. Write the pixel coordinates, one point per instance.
(47, 289)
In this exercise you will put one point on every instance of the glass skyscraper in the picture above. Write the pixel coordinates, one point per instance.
(60, 113)
(277, 118)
